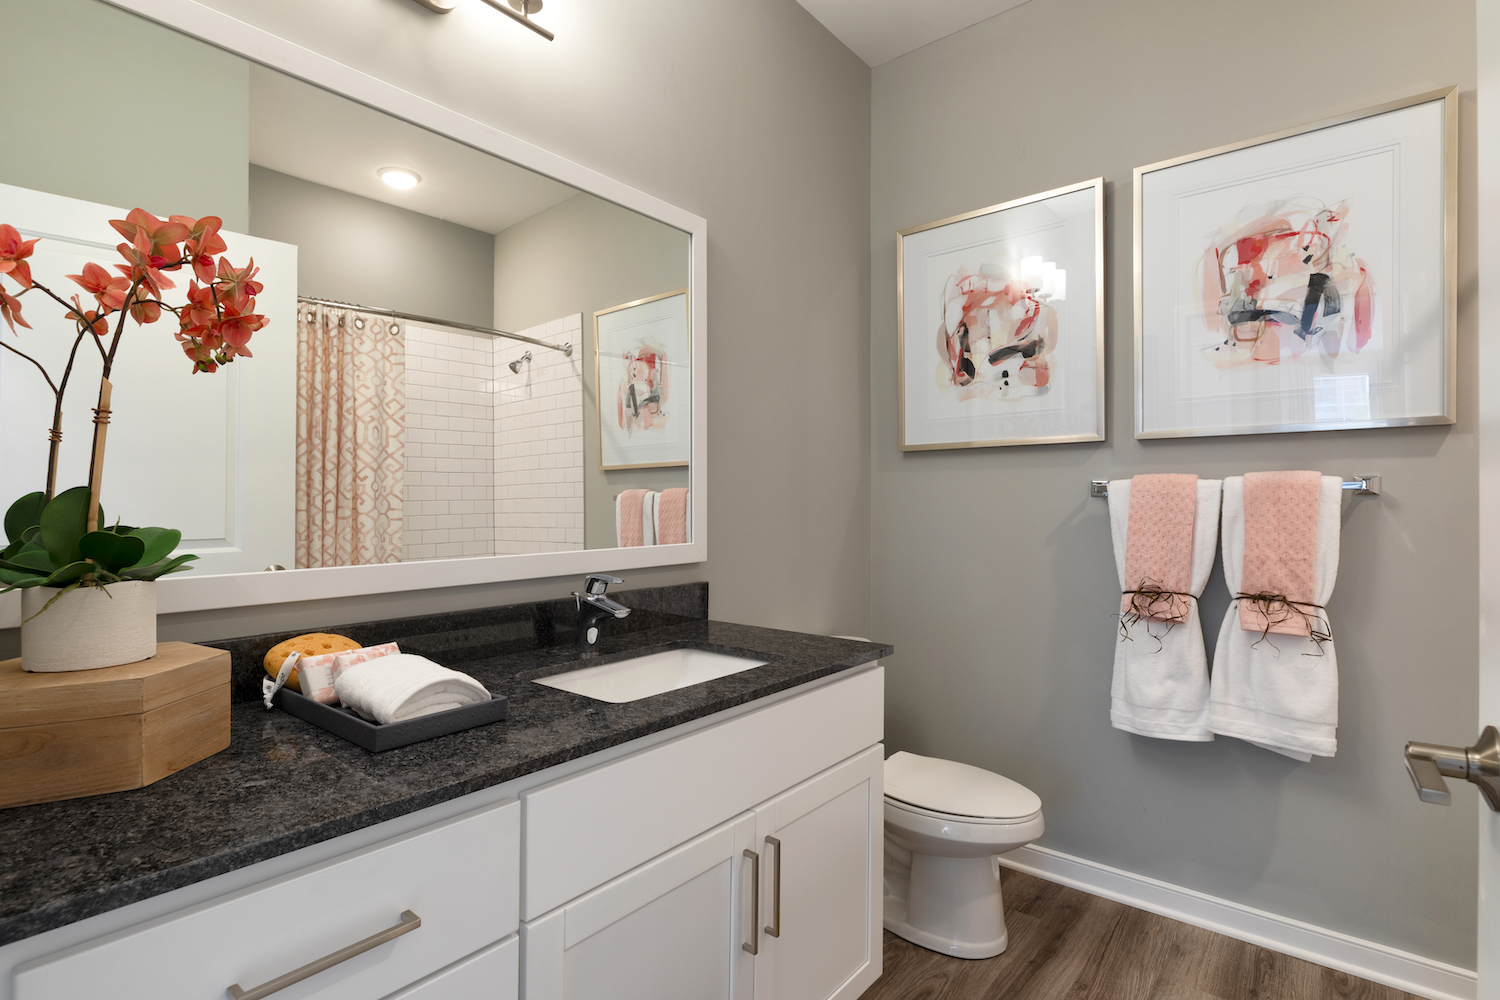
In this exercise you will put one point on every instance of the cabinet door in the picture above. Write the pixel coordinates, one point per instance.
(820, 844)
(671, 929)
(489, 974)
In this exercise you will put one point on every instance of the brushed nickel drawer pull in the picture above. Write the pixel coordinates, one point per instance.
(753, 945)
(409, 922)
(774, 928)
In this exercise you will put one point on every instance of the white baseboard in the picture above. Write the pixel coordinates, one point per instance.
(1365, 959)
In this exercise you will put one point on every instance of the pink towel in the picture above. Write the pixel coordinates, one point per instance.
(628, 518)
(1281, 546)
(1159, 547)
(671, 517)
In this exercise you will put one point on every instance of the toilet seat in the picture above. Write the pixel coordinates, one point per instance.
(942, 817)
(931, 786)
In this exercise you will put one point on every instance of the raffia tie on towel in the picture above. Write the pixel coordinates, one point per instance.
(1159, 549)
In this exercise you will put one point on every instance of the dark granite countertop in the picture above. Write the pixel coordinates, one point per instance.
(284, 784)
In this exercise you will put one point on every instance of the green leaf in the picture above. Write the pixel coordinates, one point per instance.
(23, 514)
(17, 545)
(158, 569)
(70, 573)
(33, 557)
(19, 578)
(159, 544)
(63, 525)
(110, 551)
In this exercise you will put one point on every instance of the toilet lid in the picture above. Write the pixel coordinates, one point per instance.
(947, 786)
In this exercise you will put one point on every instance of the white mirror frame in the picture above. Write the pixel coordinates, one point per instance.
(191, 592)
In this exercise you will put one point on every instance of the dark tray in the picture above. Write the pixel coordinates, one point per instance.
(375, 737)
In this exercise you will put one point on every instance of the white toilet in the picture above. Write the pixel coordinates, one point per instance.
(945, 822)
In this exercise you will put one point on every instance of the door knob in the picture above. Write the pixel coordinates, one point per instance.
(1428, 764)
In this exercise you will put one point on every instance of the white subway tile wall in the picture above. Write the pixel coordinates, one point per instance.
(450, 444)
(539, 444)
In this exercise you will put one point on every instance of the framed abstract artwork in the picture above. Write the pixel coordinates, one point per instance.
(643, 378)
(1301, 281)
(1000, 324)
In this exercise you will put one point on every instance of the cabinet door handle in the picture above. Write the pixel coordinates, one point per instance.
(409, 922)
(753, 945)
(775, 931)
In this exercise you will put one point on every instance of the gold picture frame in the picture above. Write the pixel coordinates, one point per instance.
(1085, 328)
(1147, 426)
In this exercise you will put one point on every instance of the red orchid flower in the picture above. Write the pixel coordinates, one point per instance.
(200, 312)
(10, 311)
(236, 287)
(157, 238)
(104, 287)
(203, 242)
(143, 308)
(13, 254)
(92, 320)
(236, 331)
(203, 357)
(139, 266)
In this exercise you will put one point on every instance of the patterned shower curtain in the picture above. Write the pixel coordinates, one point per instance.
(351, 430)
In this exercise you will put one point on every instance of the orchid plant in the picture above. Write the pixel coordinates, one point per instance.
(214, 326)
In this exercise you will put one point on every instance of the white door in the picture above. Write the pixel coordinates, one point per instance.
(820, 927)
(1488, 35)
(676, 928)
(211, 455)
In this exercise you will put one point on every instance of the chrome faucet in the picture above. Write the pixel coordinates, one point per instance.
(599, 608)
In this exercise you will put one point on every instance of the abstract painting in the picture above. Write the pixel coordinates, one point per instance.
(643, 384)
(1000, 324)
(1300, 281)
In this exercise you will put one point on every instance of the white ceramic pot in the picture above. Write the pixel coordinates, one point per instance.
(89, 627)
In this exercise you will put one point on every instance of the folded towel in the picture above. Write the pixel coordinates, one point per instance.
(1281, 540)
(1159, 550)
(671, 516)
(1161, 681)
(405, 686)
(628, 508)
(1272, 689)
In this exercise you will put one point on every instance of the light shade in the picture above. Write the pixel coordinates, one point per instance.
(399, 177)
(1031, 271)
(1059, 285)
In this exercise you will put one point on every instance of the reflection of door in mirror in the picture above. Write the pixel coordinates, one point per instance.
(390, 412)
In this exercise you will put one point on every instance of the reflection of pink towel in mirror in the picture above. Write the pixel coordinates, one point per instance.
(628, 527)
(671, 517)
(1281, 544)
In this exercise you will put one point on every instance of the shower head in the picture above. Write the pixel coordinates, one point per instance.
(515, 366)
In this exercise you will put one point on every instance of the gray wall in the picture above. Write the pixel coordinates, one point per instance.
(750, 115)
(355, 249)
(68, 125)
(992, 569)
(583, 255)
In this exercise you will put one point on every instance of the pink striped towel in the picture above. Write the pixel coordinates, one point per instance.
(1281, 548)
(1159, 547)
(671, 517)
(628, 517)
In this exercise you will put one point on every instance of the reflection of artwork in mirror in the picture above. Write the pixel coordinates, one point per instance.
(420, 392)
(641, 354)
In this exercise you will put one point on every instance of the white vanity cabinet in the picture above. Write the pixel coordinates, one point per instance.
(696, 920)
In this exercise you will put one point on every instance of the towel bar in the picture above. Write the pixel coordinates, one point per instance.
(1367, 486)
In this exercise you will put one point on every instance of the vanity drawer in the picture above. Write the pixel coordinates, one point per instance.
(587, 829)
(461, 877)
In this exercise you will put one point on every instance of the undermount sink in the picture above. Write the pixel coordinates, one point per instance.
(654, 673)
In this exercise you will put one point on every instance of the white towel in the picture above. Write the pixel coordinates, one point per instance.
(1161, 685)
(648, 517)
(405, 686)
(1280, 692)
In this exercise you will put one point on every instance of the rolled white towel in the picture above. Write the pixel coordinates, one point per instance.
(405, 686)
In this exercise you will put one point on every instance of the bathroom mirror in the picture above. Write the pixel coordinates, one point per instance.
(424, 406)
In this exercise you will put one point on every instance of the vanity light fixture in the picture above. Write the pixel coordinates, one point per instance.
(516, 10)
(400, 178)
(1044, 277)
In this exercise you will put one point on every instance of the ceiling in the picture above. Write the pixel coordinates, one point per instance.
(880, 30)
(302, 130)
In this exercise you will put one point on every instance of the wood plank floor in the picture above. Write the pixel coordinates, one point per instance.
(1068, 943)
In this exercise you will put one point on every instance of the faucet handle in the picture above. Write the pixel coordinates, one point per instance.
(596, 583)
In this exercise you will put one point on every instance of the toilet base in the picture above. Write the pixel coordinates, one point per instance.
(951, 906)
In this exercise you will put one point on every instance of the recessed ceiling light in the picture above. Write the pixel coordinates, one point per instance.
(399, 178)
